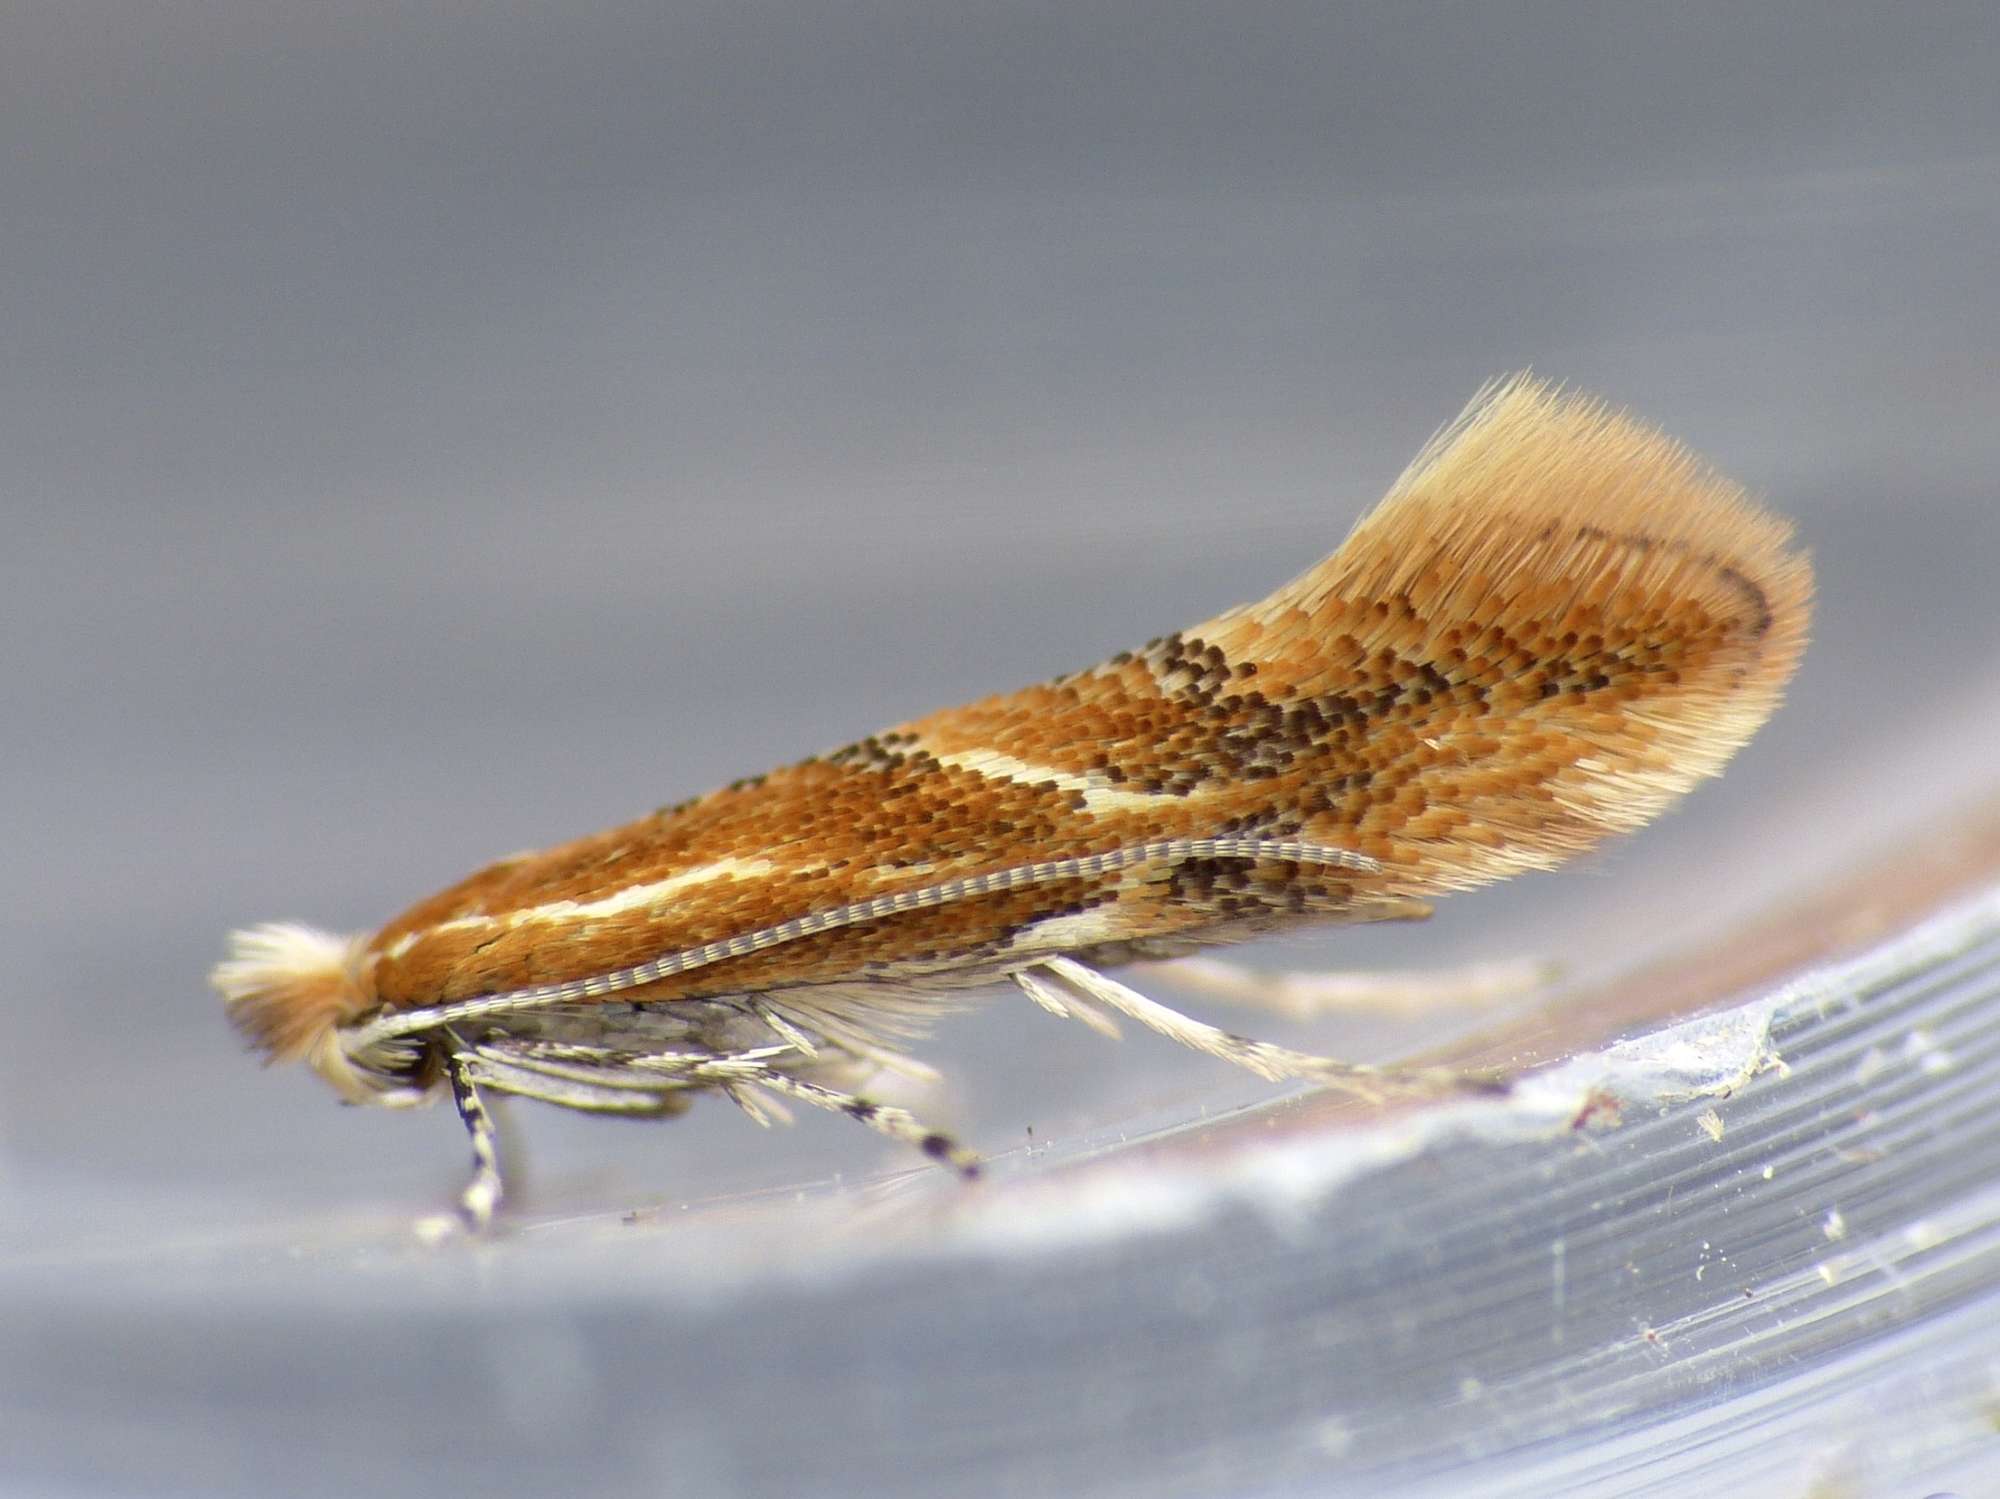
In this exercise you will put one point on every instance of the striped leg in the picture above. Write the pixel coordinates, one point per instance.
(887, 1119)
(482, 1195)
(602, 1080)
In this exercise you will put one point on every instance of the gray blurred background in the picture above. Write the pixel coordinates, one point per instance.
(432, 431)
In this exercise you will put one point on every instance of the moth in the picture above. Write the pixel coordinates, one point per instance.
(1553, 625)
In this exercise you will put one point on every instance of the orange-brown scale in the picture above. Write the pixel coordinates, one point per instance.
(841, 834)
(1554, 624)
(900, 946)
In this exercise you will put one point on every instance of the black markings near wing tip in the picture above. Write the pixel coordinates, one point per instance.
(1735, 577)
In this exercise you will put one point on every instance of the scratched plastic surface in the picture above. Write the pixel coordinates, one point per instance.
(432, 433)
(1755, 1251)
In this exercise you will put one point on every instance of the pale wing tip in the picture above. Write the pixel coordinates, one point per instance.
(287, 985)
(1525, 447)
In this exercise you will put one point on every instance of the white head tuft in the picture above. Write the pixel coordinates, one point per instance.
(289, 988)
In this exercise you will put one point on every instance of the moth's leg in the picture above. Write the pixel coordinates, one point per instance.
(1261, 1057)
(482, 1195)
(1304, 994)
(1064, 1005)
(762, 1110)
(887, 1119)
(810, 1030)
(782, 1028)
(586, 1079)
(1066, 975)
(603, 1081)
(733, 1074)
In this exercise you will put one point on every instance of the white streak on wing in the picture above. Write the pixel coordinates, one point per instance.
(1071, 933)
(626, 898)
(1097, 797)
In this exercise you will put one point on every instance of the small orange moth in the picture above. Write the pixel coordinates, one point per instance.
(1553, 625)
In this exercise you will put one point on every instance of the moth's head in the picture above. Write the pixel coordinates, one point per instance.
(296, 993)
